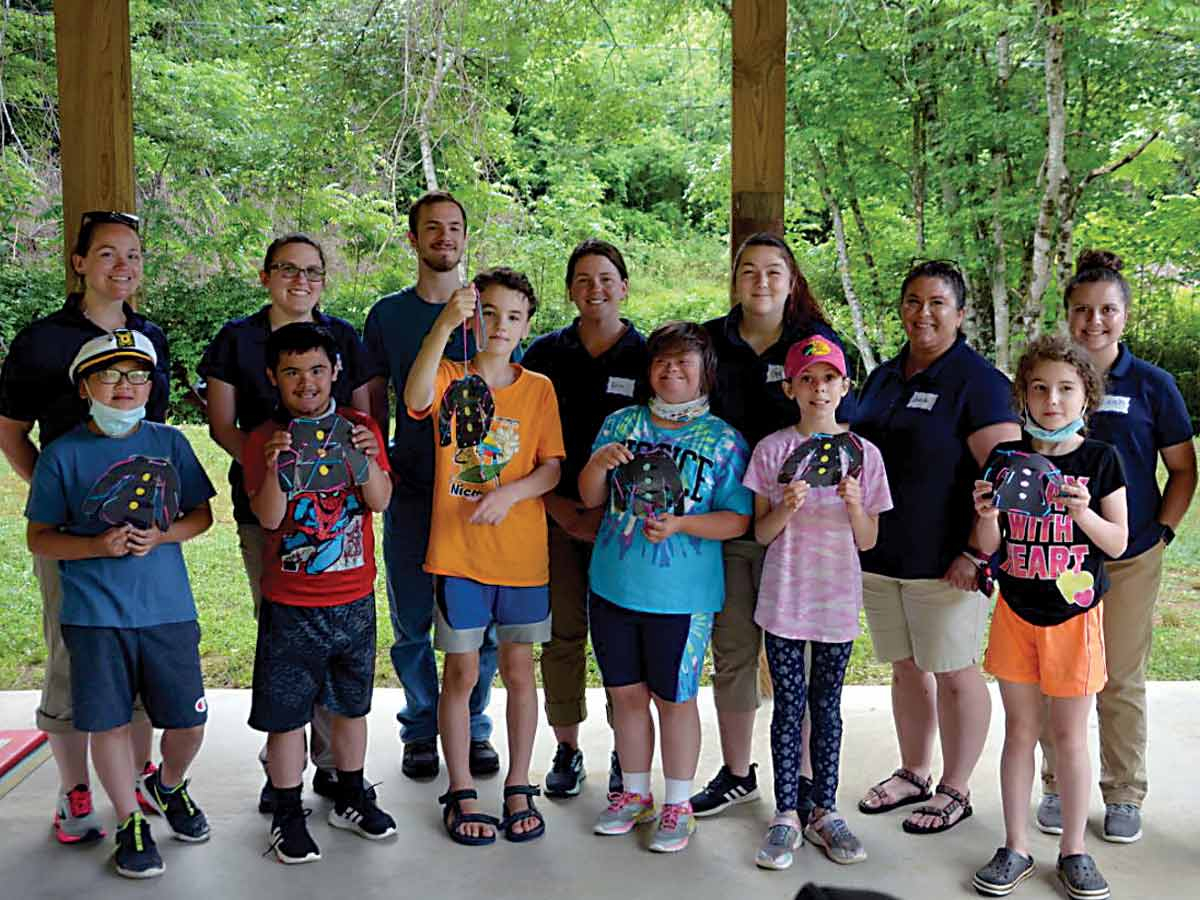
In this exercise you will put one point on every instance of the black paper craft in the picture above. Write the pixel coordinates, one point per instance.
(322, 458)
(648, 485)
(468, 401)
(1023, 482)
(824, 460)
(140, 491)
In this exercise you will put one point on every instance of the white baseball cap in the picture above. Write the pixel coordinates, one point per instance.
(124, 343)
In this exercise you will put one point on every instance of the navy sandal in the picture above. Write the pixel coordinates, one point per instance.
(532, 812)
(453, 818)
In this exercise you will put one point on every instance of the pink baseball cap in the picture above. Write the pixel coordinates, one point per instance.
(812, 350)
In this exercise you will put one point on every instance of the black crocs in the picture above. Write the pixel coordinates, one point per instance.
(1081, 878)
(1000, 877)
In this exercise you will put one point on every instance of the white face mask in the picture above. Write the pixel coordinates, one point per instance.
(112, 421)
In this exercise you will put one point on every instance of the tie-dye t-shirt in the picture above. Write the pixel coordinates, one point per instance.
(811, 582)
(694, 469)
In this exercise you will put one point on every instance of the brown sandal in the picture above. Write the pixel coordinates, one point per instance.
(957, 802)
(921, 784)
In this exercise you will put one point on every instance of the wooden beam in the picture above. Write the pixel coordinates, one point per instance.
(759, 103)
(95, 109)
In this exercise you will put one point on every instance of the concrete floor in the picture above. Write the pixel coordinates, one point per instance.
(570, 860)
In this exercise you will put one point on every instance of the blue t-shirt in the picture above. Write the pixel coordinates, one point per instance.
(76, 483)
(1142, 412)
(921, 425)
(683, 574)
(395, 328)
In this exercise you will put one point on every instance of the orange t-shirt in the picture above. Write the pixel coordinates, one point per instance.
(480, 444)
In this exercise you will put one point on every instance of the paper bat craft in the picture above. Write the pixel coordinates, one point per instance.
(1023, 482)
(648, 485)
(140, 491)
(824, 460)
(469, 403)
(322, 458)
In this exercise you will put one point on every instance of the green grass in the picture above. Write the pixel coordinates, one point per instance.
(227, 647)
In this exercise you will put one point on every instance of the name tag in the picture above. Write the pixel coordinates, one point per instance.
(1114, 404)
(622, 386)
(774, 373)
(923, 400)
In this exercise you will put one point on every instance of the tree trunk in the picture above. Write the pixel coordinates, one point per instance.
(999, 269)
(839, 232)
(860, 222)
(1055, 168)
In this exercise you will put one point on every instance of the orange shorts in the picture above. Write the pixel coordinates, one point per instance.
(1065, 660)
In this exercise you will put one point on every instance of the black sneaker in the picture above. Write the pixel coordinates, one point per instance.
(325, 783)
(566, 775)
(184, 818)
(725, 790)
(290, 839)
(484, 759)
(616, 781)
(266, 797)
(362, 816)
(420, 759)
(136, 855)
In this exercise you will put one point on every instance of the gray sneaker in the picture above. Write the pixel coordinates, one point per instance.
(1122, 823)
(1049, 814)
(675, 827)
(625, 812)
(831, 833)
(777, 851)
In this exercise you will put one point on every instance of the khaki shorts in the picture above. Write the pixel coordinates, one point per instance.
(927, 619)
(54, 709)
(736, 639)
(251, 541)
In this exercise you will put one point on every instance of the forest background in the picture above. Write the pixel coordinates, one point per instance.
(1005, 134)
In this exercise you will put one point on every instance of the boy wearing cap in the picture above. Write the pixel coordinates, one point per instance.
(111, 501)
(818, 492)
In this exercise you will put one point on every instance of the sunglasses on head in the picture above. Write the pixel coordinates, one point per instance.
(105, 217)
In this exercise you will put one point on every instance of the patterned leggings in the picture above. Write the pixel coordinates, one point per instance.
(786, 659)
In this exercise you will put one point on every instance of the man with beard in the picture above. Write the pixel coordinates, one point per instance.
(395, 328)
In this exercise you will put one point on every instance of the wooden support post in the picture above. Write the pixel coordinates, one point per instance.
(95, 110)
(759, 106)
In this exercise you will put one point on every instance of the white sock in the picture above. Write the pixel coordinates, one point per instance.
(679, 790)
(637, 783)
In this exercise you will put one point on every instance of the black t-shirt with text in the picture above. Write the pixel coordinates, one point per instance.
(1048, 570)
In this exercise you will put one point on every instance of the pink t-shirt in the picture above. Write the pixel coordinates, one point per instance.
(811, 583)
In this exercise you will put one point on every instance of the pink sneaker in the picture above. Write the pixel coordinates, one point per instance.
(75, 821)
(146, 806)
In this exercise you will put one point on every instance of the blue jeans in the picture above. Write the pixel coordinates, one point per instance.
(410, 602)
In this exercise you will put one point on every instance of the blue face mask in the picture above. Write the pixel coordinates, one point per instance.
(115, 422)
(1051, 437)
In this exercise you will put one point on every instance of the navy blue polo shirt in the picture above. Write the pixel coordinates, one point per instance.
(1142, 412)
(749, 393)
(35, 385)
(921, 425)
(238, 357)
(588, 388)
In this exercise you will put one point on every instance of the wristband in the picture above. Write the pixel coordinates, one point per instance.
(1167, 535)
(975, 556)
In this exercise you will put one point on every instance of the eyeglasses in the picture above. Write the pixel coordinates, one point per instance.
(291, 273)
(114, 376)
(103, 216)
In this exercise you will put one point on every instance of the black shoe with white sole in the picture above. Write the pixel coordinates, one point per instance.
(363, 816)
(290, 840)
(724, 791)
(1000, 877)
(566, 775)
